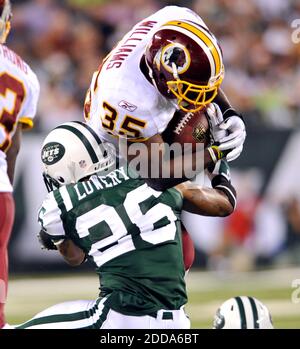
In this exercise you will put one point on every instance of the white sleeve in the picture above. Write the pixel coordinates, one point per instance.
(49, 218)
(178, 12)
(29, 107)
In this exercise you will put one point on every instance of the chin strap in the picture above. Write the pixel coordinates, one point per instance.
(175, 71)
(50, 183)
(150, 72)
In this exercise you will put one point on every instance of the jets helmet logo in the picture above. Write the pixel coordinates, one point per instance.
(52, 153)
(177, 54)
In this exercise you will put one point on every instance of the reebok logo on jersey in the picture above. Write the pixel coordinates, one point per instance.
(52, 153)
(127, 106)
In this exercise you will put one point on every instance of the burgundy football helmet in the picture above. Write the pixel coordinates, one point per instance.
(5, 16)
(185, 62)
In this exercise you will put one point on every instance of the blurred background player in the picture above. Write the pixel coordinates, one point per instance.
(169, 61)
(19, 91)
(243, 313)
(128, 231)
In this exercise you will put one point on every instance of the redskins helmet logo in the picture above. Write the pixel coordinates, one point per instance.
(177, 54)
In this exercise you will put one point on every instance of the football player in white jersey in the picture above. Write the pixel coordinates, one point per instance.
(19, 91)
(169, 61)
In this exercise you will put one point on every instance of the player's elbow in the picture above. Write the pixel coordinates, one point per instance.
(71, 253)
(75, 262)
(227, 202)
(226, 209)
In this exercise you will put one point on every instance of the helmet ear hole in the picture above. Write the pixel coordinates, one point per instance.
(162, 77)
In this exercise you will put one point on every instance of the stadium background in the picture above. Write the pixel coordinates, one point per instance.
(256, 251)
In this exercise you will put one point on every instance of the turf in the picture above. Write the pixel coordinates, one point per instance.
(29, 294)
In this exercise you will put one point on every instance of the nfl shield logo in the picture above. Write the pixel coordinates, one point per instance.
(82, 163)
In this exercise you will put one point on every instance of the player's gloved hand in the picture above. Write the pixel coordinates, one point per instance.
(232, 143)
(227, 135)
(46, 240)
(220, 178)
(215, 119)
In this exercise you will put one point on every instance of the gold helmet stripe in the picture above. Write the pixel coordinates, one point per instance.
(206, 38)
(201, 44)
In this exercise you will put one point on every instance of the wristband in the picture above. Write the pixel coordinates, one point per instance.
(212, 154)
(218, 153)
(221, 183)
(231, 112)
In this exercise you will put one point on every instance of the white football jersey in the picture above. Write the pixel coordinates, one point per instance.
(121, 102)
(19, 92)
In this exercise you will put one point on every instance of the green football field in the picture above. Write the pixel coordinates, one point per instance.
(206, 290)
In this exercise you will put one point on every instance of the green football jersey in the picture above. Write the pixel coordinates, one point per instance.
(130, 232)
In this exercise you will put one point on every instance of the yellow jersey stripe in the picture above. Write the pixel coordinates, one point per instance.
(205, 38)
(27, 123)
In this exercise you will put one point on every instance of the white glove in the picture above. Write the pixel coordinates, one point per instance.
(235, 138)
(215, 119)
(229, 135)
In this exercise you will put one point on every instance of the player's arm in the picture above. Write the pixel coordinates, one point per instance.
(222, 101)
(225, 105)
(205, 201)
(12, 152)
(217, 201)
(153, 158)
(52, 235)
(25, 121)
(71, 253)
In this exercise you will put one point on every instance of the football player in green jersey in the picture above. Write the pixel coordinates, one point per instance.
(127, 230)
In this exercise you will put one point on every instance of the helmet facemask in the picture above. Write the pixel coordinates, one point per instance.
(5, 21)
(50, 183)
(192, 97)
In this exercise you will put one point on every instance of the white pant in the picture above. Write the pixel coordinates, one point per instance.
(116, 320)
(96, 314)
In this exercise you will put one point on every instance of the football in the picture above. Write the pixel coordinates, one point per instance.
(188, 248)
(188, 128)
